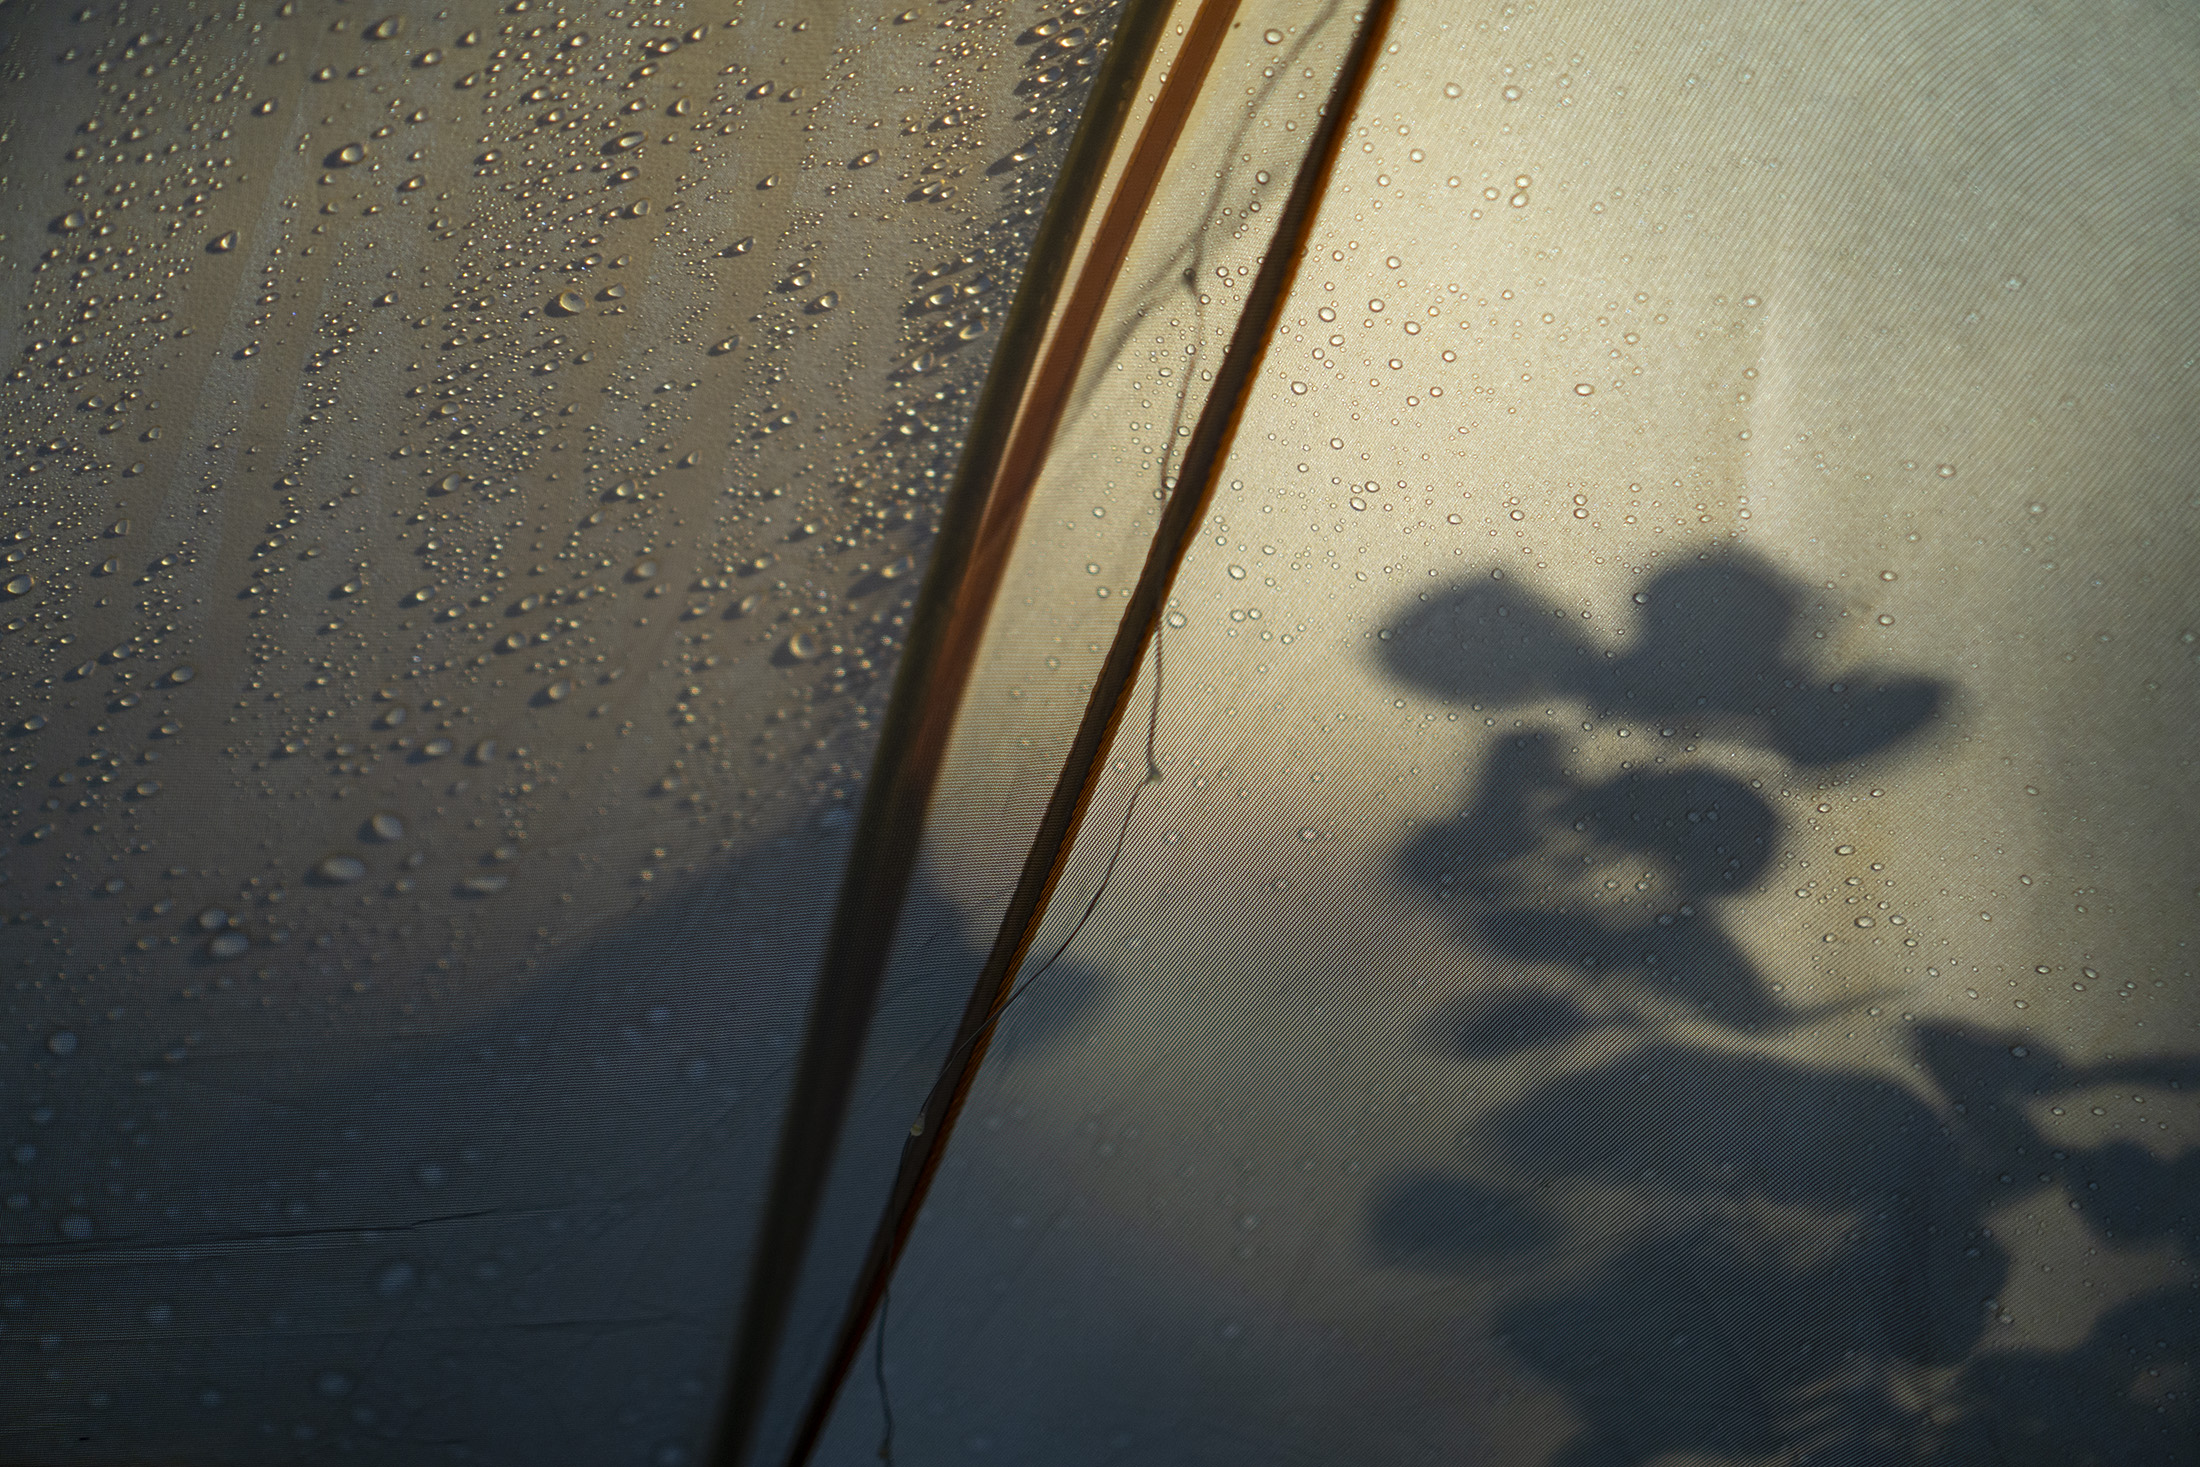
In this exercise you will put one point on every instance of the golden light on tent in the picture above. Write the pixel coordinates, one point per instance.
(1393, 732)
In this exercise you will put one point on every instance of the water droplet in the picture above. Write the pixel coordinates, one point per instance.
(1946, 471)
(627, 142)
(1272, 37)
(1299, 388)
(384, 825)
(387, 30)
(803, 646)
(183, 674)
(559, 691)
(342, 870)
(394, 1279)
(864, 160)
(351, 153)
(21, 585)
(486, 884)
(568, 303)
(644, 570)
(76, 1227)
(222, 244)
(62, 1042)
(229, 945)
(1237, 572)
(1512, 94)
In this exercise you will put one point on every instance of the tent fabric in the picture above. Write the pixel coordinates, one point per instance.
(471, 469)
(1636, 909)
(1617, 964)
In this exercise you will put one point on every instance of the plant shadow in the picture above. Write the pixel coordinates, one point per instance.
(1709, 1246)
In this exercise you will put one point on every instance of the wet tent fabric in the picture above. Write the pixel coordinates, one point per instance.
(1639, 909)
(1634, 910)
(469, 471)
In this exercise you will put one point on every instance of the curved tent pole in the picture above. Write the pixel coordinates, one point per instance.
(945, 628)
(1110, 697)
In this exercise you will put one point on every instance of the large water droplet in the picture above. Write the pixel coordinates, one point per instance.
(342, 870)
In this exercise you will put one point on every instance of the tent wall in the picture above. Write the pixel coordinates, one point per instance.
(468, 469)
(1662, 933)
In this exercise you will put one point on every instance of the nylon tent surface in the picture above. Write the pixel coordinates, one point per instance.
(1575, 750)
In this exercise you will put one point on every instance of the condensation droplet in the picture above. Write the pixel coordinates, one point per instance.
(342, 870)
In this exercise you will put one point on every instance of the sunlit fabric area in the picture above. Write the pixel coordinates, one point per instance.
(1117, 733)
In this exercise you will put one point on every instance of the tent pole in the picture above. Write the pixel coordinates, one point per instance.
(1104, 712)
(944, 631)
